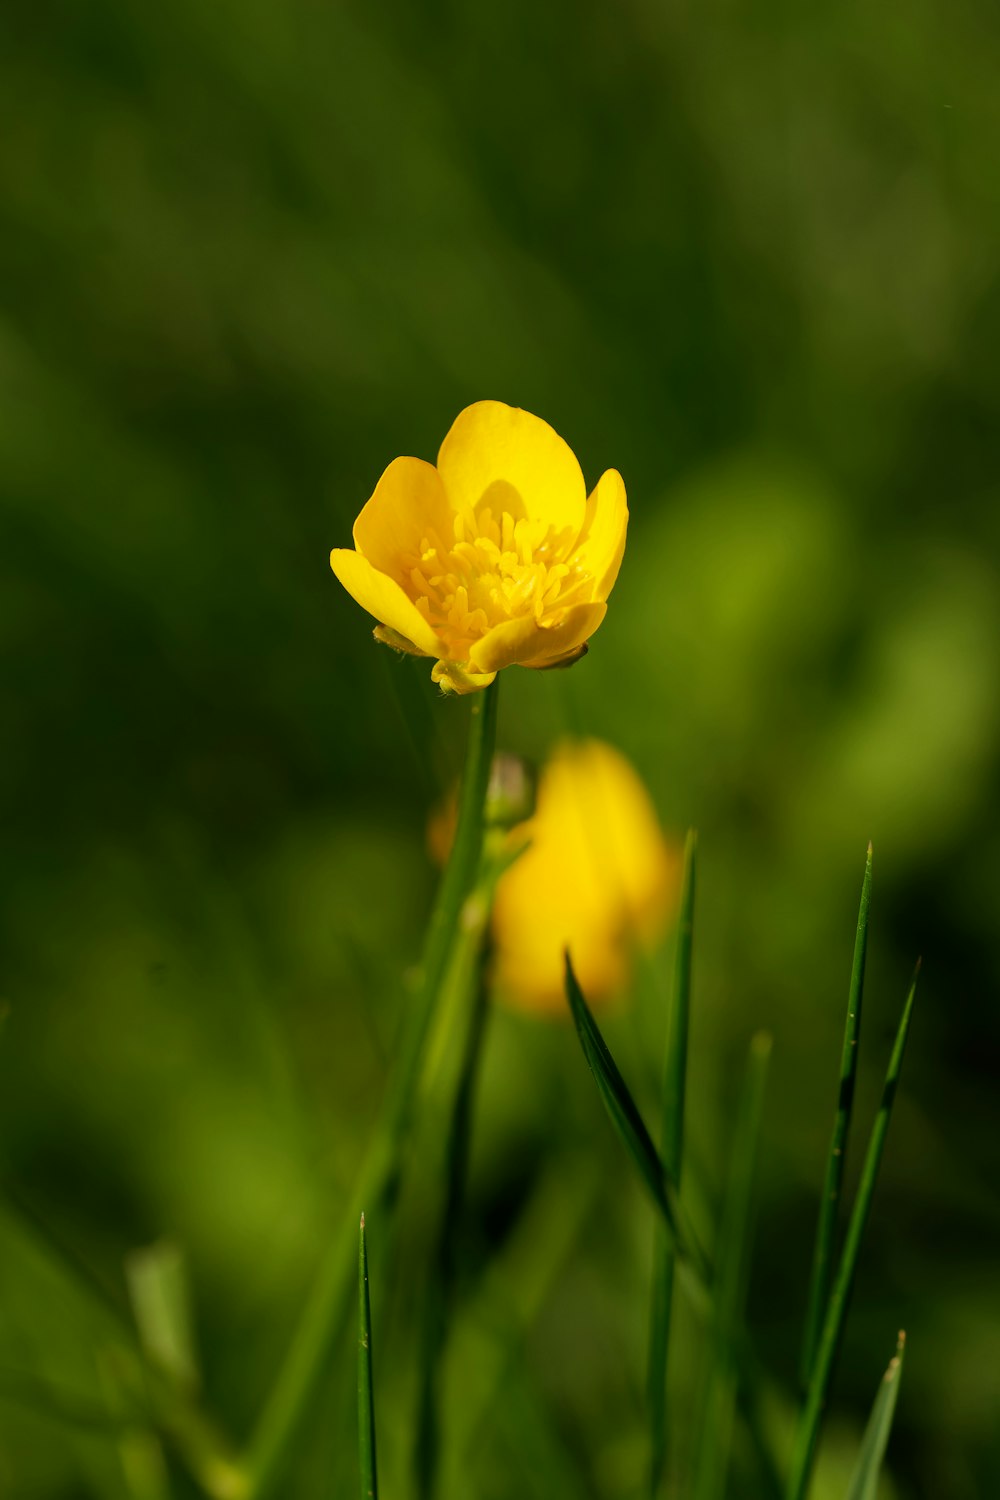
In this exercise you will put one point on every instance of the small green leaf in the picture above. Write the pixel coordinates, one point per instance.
(366, 1394)
(864, 1485)
(819, 1285)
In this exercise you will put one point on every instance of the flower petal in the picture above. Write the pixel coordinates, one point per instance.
(524, 640)
(383, 598)
(453, 678)
(493, 444)
(408, 503)
(602, 540)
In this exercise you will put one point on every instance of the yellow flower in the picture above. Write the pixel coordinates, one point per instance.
(598, 877)
(495, 556)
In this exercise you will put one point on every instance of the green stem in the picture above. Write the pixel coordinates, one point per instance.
(671, 1152)
(733, 1264)
(836, 1314)
(819, 1285)
(327, 1304)
(366, 1393)
(442, 1272)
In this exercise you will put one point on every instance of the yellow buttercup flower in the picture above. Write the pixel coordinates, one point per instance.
(496, 556)
(598, 877)
(595, 875)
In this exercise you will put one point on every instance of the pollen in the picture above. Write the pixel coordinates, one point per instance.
(490, 570)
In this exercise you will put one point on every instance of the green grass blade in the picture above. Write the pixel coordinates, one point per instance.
(819, 1284)
(629, 1124)
(691, 1260)
(819, 1384)
(672, 1145)
(732, 1274)
(158, 1289)
(864, 1485)
(366, 1394)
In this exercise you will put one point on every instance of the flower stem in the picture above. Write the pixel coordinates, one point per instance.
(366, 1396)
(671, 1150)
(471, 979)
(328, 1302)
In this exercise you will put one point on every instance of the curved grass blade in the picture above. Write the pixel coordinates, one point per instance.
(836, 1315)
(864, 1485)
(366, 1394)
(672, 1145)
(732, 1274)
(691, 1260)
(629, 1124)
(819, 1284)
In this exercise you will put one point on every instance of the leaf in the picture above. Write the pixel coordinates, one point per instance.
(366, 1394)
(840, 1296)
(629, 1124)
(158, 1289)
(864, 1485)
(819, 1284)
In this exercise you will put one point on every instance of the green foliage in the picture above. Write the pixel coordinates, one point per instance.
(819, 1285)
(367, 1466)
(864, 1485)
(249, 254)
(628, 1123)
(838, 1303)
(672, 1146)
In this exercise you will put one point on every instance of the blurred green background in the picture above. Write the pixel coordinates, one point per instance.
(248, 254)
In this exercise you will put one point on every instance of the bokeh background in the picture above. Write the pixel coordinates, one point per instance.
(248, 254)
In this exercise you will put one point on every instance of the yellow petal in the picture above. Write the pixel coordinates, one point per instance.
(408, 503)
(453, 678)
(491, 444)
(524, 640)
(597, 876)
(383, 598)
(602, 540)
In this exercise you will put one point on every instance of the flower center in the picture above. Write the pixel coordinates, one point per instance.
(492, 570)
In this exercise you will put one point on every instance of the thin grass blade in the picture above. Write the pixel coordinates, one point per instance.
(826, 1229)
(840, 1295)
(366, 1393)
(631, 1128)
(672, 1146)
(158, 1290)
(864, 1485)
(732, 1274)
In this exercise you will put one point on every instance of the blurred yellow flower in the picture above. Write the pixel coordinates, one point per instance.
(598, 877)
(496, 556)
